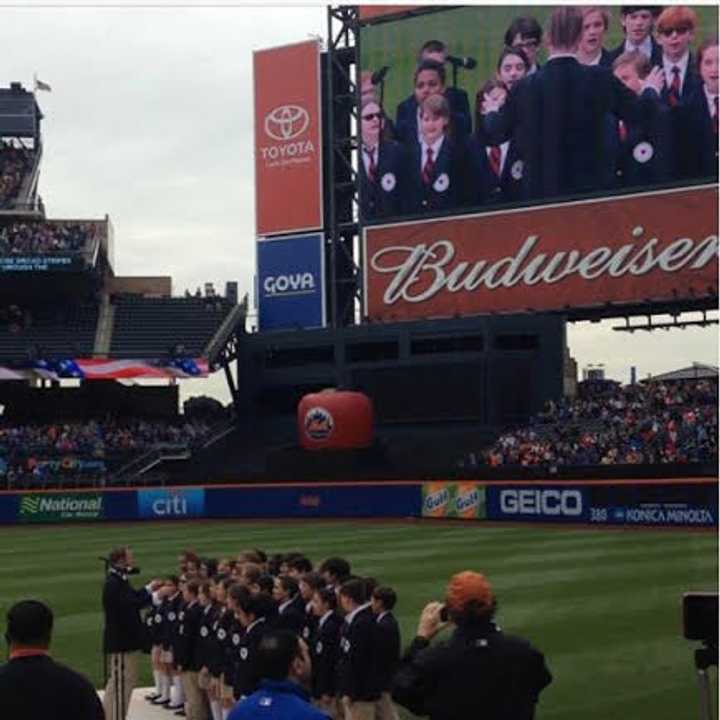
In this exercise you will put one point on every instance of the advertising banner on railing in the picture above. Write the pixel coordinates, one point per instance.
(171, 503)
(464, 500)
(288, 139)
(651, 247)
(60, 507)
(291, 282)
(645, 504)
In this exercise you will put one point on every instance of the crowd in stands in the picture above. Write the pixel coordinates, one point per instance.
(582, 119)
(42, 238)
(15, 161)
(609, 424)
(25, 448)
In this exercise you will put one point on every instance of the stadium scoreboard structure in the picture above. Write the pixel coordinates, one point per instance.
(588, 256)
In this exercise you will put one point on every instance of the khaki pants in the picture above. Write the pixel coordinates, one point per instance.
(122, 676)
(385, 709)
(329, 705)
(194, 697)
(358, 710)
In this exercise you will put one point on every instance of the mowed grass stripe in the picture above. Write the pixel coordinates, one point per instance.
(597, 603)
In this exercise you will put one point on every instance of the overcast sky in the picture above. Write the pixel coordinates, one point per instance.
(150, 121)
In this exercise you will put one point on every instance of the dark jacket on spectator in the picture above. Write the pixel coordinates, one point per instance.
(38, 688)
(478, 673)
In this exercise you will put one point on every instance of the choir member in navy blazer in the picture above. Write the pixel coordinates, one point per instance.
(325, 650)
(356, 674)
(381, 169)
(252, 611)
(700, 118)
(675, 31)
(429, 79)
(595, 24)
(643, 154)
(387, 648)
(525, 33)
(435, 166)
(290, 605)
(637, 22)
(558, 115)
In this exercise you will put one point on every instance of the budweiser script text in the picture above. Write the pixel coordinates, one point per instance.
(424, 270)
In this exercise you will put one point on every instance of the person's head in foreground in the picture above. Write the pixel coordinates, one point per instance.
(469, 599)
(29, 625)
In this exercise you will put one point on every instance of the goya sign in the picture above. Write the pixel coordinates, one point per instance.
(60, 508)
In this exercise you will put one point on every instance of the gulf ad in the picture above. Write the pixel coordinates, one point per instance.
(461, 500)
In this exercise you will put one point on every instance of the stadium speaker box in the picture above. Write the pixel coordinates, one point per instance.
(335, 420)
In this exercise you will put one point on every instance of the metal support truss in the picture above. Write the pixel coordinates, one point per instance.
(342, 129)
(676, 323)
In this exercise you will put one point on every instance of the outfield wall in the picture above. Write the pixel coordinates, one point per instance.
(660, 503)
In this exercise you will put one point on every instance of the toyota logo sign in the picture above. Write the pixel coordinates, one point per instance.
(286, 122)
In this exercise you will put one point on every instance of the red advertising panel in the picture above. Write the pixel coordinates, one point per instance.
(288, 162)
(655, 246)
(370, 12)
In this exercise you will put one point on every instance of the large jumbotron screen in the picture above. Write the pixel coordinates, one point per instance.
(467, 173)
(463, 232)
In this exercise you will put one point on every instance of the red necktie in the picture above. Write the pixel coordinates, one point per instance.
(622, 131)
(372, 167)
(428, 167)
(715, 115)
(674, 94)
(495, 157)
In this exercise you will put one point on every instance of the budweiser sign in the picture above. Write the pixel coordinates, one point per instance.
(653, 247)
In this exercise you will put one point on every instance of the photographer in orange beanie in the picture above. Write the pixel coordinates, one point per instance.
(479, 672)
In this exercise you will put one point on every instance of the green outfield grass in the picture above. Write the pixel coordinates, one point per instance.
(474, 31)
(604, 606)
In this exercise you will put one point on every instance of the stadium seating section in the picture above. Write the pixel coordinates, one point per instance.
(151, 327)
(48, 332)
(143, 328)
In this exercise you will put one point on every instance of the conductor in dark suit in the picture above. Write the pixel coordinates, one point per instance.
(125, 633)
(637, 24)
(32, 685)
(381, 169)
(558, 115)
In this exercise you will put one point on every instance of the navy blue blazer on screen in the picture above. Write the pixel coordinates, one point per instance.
(699, 141)
(485, 186)
(643, 154)
(382, 197)
(406, 125)
(448, 187)
(557, 116)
